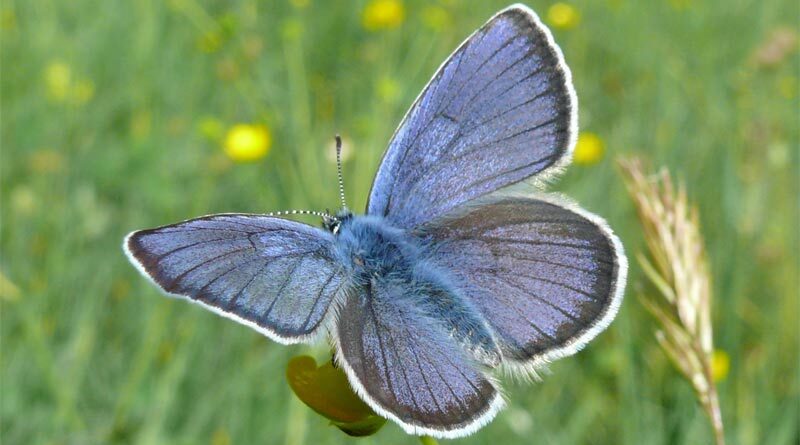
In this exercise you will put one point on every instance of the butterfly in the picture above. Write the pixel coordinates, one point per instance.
(448, 279)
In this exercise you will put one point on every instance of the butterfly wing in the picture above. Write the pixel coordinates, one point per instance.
(406, 367)
(274, 275)
(500, 109)
(547, 275)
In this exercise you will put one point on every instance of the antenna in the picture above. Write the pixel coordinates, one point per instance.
(339, 170)
(298, 212)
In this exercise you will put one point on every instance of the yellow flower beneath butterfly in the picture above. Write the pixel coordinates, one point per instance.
(247, 142)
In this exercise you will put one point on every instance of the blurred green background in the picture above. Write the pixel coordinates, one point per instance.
(116, 115)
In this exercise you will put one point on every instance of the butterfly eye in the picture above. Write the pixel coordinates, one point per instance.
(331, 224)
(358, 261)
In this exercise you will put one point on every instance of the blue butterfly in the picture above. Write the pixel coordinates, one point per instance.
(445, 281)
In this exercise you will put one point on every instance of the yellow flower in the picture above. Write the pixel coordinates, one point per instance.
(436, 17)
(720, 365)
(61, 87)
(82, 91)
(58, 78)
(141, 123)
(8, 20)
(8, 290)
(589, 149)
(209, 42)
(244, 143)
(680, 5)
(563, 16)
(23, 200)
(787, 86)
(220, 437)
(383, 14)
(46, 161)
(388, 90)
(292, 29)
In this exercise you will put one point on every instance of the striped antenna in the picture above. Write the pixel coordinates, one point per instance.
(339, 170)
(297, 212)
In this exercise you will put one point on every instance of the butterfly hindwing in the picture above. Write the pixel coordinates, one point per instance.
(274, 275)
(408, 368)
(501, 109)
(547, 275)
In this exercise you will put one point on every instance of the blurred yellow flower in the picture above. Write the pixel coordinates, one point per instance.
(299, 4)
(787, 86)
(220, 437)
(720, 365)
(383, 14)
(209, 42)
(141, 124)
(292, 29)
(61, 87)
(778, 155)
(58, 78)
(680, 5)
(563, 16)
(82, 92)
(46, 161)
(436, 17)
(8, 290)
(244, 143)
(23, 200)
(8, 20)
(589, 149)
(388, 90)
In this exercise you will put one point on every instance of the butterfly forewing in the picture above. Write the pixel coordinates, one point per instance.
(275, 275)
(499, 110)
(547, 275)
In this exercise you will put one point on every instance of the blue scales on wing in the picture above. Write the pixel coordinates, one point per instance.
(406, 365)
(275, 275)
(546, 275)
(499, 110)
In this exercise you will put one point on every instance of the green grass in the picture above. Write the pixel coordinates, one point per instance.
(92, 354)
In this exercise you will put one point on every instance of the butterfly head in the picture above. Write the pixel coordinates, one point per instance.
(333, 223)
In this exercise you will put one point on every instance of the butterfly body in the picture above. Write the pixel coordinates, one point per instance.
(447, 277)
(384, 257)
